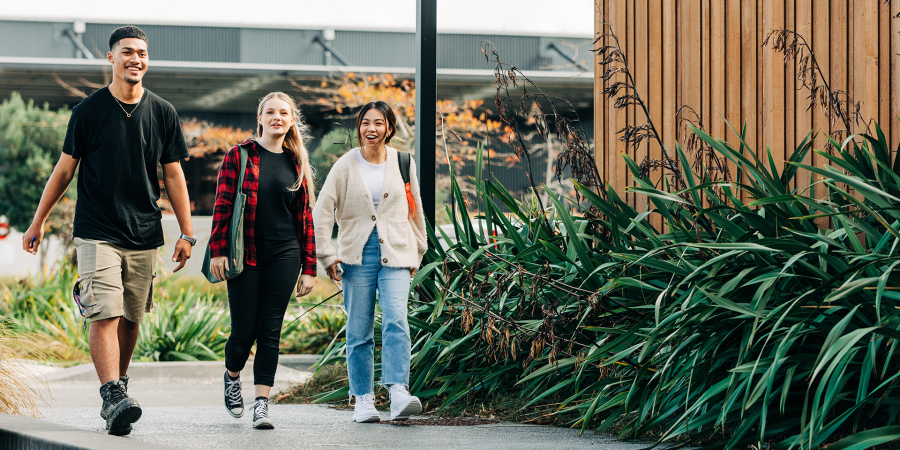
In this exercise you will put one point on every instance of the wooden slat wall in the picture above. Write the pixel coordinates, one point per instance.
(706, 54)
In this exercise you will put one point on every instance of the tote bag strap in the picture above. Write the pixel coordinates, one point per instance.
(243, 155)
(207, 257)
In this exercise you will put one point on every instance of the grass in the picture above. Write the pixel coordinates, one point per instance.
(21, 388)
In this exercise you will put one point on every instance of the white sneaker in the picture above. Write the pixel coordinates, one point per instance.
(364, 411)
(403, 405)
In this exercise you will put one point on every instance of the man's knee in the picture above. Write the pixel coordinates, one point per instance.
(110, 323)
(128, 325)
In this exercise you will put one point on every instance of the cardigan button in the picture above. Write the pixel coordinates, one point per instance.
(381, 241)
(384, 260)
(373, 218)
(385, 195)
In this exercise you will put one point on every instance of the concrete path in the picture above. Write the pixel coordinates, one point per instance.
(160, 384)
(182, 409)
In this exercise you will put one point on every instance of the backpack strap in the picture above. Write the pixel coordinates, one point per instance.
(403, 158)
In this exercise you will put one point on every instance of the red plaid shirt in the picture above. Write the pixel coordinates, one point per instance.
(226, 190)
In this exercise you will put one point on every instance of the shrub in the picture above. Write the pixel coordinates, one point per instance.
(30, 143)
(742, 323)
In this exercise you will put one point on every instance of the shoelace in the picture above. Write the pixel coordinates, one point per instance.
(117, 394)
(261, 409)
(398, 392)
(233, 392)
(365, 400)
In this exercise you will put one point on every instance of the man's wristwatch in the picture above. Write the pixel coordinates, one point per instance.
(192, 240)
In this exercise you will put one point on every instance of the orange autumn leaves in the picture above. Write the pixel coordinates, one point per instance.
(203, 138)
(464, 124)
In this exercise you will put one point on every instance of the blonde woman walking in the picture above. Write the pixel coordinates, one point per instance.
(279, 244)
(382, 240)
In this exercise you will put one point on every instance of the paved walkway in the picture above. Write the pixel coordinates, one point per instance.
(182, 409)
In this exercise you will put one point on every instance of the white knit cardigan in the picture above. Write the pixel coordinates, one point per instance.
(345, 197)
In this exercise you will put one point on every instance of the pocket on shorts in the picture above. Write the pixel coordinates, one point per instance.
(149, 305)
(83, 293)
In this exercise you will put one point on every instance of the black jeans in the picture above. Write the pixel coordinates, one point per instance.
(258, 298)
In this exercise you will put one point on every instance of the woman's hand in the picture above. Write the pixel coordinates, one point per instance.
(305, 285)
(412, 272)
(334, 271)
(218, 266)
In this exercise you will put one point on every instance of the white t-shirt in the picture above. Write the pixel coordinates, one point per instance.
(373, 174)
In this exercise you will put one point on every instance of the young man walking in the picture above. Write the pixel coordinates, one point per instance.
(118, 135)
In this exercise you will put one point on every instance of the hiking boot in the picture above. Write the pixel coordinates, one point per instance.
(403, 405)
(364, 411)
(120, 410)
(234, 399)
(261, 420)
(124, 380)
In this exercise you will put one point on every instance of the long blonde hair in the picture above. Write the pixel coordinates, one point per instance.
(295, 141)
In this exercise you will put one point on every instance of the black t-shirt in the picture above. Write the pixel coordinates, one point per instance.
(117, 182)
(277, 173)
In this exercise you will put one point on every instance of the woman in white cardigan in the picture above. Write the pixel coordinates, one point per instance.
(382, 240)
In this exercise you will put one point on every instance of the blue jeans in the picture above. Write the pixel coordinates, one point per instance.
(360, 283)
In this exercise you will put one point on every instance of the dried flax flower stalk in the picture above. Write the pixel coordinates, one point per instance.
(624, 94)
(836, 103)
(536, 108)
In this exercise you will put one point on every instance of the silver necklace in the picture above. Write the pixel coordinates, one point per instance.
(127, 114)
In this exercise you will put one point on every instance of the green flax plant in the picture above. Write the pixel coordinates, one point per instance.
(187, 327)
(741, 323)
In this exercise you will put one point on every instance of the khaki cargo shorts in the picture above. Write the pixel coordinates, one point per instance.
(113, 281)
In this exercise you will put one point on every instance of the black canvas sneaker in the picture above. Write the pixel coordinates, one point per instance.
(120, 410)
(234, 399)
(261, 418)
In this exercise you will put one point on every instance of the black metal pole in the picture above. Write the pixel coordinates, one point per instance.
(426, 98)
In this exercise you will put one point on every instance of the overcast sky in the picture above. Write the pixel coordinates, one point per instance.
(521, 17)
